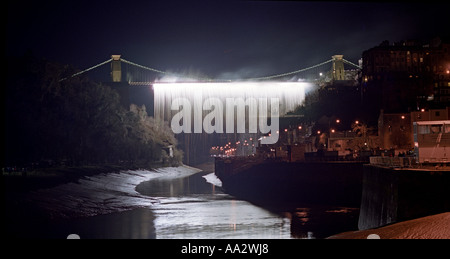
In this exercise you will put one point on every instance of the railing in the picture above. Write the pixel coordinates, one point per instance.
(393, 161)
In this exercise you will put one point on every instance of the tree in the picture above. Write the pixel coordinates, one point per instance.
(363, 139)
(75, 120)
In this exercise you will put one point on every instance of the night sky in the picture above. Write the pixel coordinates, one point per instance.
(215, 38)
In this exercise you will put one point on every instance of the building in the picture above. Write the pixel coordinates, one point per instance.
(407, 75)
(432, 141)
(430, 115)
(342, 141)
(396, 131)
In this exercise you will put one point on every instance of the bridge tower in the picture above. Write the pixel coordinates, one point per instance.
(116, 68)
(338, 67)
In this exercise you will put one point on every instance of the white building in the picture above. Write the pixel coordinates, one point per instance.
(432, 141)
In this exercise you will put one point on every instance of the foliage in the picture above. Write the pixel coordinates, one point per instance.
(77, 121)
(364, 139)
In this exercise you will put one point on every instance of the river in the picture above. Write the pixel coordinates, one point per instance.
(170, 203)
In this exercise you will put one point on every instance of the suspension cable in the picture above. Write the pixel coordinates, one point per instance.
(86, 70)
(351, 63)
(144, 67)
(164, 72)
(289, 73)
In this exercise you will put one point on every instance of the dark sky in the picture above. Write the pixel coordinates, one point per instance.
(255, 38)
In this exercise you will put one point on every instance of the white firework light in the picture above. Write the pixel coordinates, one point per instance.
(227, 107)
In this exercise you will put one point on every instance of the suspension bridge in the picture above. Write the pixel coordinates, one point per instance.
(158, 90)
(135, 73)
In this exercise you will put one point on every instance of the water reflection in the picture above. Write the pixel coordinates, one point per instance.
(133, 224)
(190, 207)
(322, 221)
(187, 207)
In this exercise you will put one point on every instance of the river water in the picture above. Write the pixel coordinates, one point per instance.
(191, 207)
(171, 203)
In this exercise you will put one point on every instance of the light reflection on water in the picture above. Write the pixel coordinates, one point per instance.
(192, 208)
(171, 205)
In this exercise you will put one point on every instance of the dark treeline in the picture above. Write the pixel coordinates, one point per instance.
(75, 121)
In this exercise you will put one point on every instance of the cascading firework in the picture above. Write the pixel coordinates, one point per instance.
(204, 110)
(289, 94)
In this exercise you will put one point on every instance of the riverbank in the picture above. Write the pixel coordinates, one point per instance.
(430, 227)
(41, 178)
(58, 200)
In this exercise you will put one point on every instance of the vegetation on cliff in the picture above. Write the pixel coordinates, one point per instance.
(76, 121)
